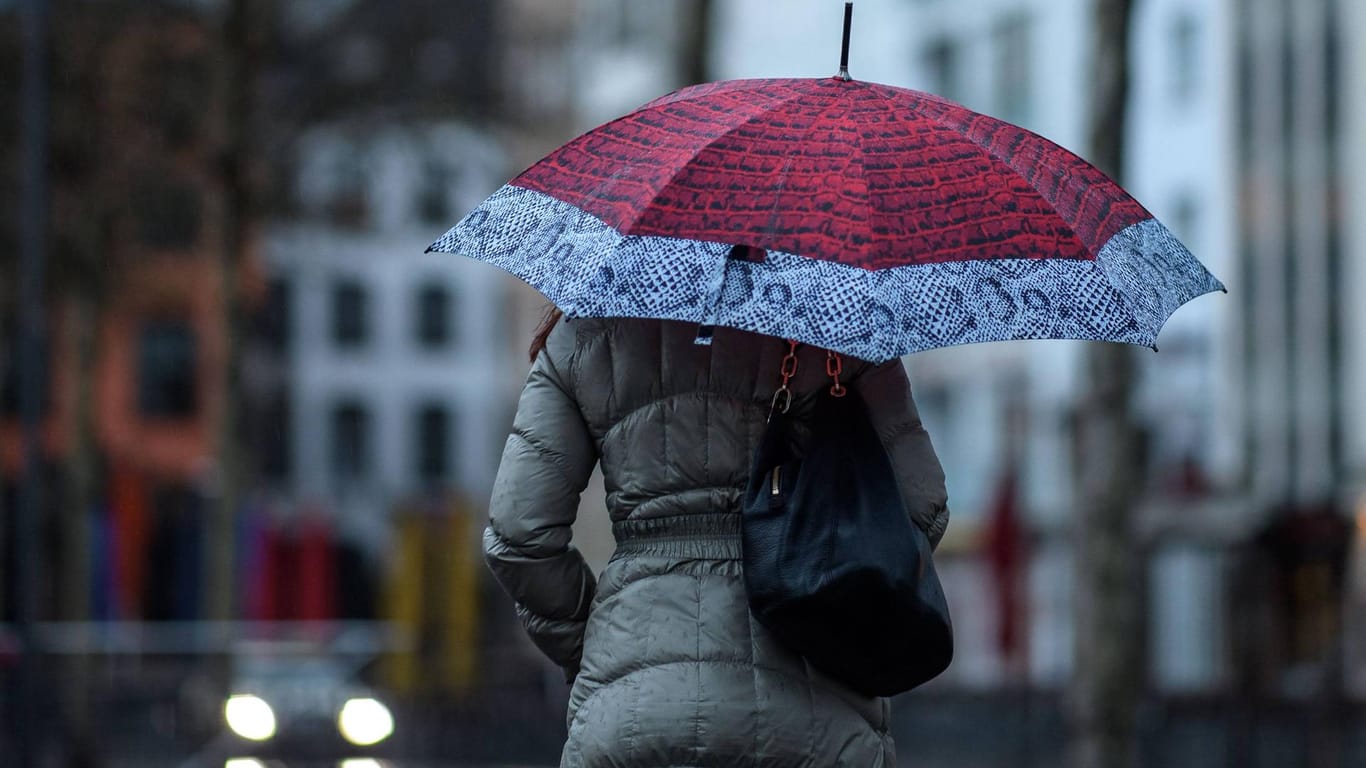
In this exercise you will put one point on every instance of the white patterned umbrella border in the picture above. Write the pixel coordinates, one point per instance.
(588, 269)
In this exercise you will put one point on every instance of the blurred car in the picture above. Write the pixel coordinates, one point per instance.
(288, 710)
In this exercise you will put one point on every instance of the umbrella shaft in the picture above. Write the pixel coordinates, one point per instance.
(844, 45)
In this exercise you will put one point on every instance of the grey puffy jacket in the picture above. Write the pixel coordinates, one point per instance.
(669, 668)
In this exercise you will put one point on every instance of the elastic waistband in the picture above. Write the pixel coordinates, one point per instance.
(698, 537)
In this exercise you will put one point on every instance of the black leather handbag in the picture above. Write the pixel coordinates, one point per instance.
(835, 568)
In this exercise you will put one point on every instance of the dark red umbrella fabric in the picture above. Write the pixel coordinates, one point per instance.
(869, 219)
(847, 171)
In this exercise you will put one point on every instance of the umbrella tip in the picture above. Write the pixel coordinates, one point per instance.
(843, 74)
(1155, 348)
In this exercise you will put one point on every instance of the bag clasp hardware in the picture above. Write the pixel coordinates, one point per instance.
(782, 399)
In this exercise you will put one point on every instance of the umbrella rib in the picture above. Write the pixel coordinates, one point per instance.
(817, 120)
(684, 167)
(991, 151)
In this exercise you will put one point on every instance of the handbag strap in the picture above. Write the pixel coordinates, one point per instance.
(782, 398)
(834, 366)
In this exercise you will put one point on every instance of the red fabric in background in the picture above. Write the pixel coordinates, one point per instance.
(297, 572)
(1006, 554)
(263, 602)
(130, 515)
(316, 570)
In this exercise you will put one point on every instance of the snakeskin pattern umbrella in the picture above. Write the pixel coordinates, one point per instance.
(863, 218)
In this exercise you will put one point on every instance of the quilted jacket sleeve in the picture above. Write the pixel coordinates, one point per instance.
(887, 391)
(546, 464)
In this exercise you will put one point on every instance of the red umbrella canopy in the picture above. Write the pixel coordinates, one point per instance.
(852, 172)
(863, 218)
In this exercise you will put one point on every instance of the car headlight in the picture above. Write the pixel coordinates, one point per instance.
(243, 762)
(249, 717)
(365, 721)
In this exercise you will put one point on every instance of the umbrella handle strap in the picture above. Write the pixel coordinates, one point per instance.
(782, 398)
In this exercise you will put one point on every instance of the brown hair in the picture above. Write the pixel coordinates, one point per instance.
(548, 321)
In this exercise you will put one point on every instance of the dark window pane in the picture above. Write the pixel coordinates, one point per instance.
(350, 310)
(174, 92)
(12, 378)
(942, 61)
(1185, 58)
(433, 444)
(433, 316)
(171, 591)
(9, 367)
(349, 206)
(166, 371)
(273, 320)
(1186, 220)
(274, 437)
(350, 441)
(167, 213)
(433, 203)
(9, 385)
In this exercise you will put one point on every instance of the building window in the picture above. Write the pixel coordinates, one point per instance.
(166, 370)
(11, 375)
(433, 445)
(350, 441)
(274, 438)
(1186, 585)
(943, 64)
(349, 203)
(1186, 220)
(174, 94)
(274, 320)
(1184, 62)
(167, 212)
(350, 314)
(433, 199)
(433, 317)
(9, 366)
(1014, 70)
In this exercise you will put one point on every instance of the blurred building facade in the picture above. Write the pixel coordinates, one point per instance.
(383, 384)
(1236, 140)
(136, 344)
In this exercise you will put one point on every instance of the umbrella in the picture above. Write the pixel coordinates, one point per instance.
(863, 218)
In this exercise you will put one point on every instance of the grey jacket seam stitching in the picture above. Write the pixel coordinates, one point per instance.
(557, 460)
(667, 398)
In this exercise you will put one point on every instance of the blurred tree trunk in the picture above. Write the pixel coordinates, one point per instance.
(1109, 671)
(241, 50)
(80, 470)
(83, 202)
(80, 480)
(696, 43)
